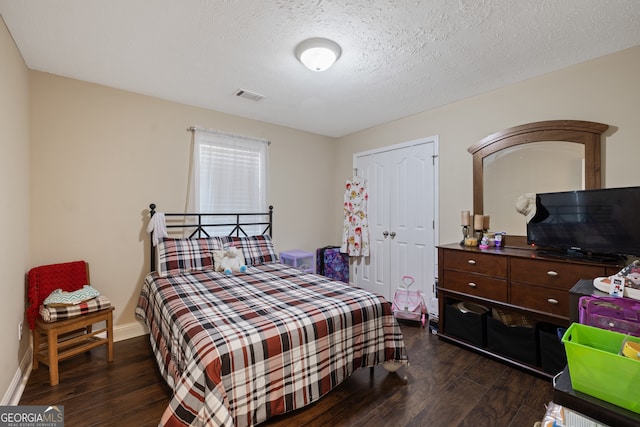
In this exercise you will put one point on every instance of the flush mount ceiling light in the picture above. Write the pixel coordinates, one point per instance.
(318, 54)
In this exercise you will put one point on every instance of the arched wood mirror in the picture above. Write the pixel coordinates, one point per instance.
(540, 157)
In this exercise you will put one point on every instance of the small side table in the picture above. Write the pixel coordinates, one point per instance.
(592, 407)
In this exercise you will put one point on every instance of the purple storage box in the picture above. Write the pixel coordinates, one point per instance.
(613, 313)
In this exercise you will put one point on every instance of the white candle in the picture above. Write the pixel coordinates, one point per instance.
(478, 222)
(465, 218)
(486, 222)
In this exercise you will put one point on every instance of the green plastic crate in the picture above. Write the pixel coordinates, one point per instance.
(597, 369)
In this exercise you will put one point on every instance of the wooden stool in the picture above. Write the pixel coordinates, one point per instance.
(69, 337)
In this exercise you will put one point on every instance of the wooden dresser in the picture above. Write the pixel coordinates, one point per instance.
(517, 280)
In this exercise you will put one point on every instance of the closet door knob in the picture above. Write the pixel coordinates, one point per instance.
(392, 234)
(385, 233)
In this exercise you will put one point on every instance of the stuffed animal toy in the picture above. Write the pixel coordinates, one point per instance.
(229, 261)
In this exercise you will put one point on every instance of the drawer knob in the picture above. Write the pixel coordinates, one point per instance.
(472, 285)
(552, 273)
(472, 262)
(552, 301)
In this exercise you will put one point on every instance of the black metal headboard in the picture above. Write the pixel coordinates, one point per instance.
(198, 223)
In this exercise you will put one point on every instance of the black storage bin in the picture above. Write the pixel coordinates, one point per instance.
(469, 326)
(515, 342)
(553, 357)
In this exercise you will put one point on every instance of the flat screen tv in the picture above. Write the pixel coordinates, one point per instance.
(591, 223)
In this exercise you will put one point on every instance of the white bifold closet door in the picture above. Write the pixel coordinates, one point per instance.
(402, 188)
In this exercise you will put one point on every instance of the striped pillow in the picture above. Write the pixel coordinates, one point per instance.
(182, 255)
(257, 250)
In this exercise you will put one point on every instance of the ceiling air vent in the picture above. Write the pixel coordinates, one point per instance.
(249, 95)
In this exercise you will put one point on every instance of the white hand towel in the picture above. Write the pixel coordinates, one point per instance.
(158, 225)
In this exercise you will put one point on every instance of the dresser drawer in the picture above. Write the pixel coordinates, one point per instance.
(539, 298)
(477, 285)
(490, 265)
(557, 275)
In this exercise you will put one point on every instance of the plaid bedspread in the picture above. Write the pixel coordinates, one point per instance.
(239, 349)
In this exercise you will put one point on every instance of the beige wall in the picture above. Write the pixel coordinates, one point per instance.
(14, 215)
(605, 90)
(99, 156)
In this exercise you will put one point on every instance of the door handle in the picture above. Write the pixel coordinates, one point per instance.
(392, 234)
(385, 233)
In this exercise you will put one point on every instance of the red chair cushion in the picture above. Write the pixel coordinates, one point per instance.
(43, 280)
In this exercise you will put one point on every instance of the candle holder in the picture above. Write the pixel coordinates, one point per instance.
(465, 234)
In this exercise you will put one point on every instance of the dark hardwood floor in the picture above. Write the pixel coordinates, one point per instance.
(446, 386)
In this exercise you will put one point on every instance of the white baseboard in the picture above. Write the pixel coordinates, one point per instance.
(129, 330)
(14, 392)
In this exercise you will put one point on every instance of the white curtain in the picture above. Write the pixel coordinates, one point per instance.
(230, 172)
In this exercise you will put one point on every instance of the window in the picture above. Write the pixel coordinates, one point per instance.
(230, 172)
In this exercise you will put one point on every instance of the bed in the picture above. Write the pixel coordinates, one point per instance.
(238, 349)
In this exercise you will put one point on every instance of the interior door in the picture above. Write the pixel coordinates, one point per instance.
(411, 218)
(402, 188)
(372, 272)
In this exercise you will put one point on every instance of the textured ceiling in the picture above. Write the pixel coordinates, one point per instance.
(398, 57)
